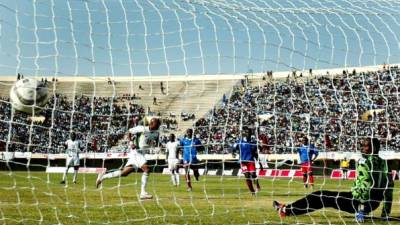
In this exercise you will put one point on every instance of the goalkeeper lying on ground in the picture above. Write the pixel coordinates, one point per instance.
(373, 185)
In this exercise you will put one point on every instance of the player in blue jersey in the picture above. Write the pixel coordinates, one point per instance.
(248, 156)
(308, 153)
(191, 145)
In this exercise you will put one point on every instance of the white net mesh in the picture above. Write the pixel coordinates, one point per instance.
(204, 65)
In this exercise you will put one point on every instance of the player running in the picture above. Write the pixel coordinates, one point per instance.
(172, 156)
(73, 147)
(190, 147)
(146, 138)
(308, 153)
(248, 157)
(373, 184)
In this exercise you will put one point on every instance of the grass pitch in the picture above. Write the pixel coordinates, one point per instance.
(39, 198)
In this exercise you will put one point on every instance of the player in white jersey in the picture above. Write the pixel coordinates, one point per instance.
(172, 157)
(146, 138)
(73, 148)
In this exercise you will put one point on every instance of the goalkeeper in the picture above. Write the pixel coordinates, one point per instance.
(373, 185)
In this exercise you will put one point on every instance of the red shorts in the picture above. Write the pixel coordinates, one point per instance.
(306, 167)
(248, 167)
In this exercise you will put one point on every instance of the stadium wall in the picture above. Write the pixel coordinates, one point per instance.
(326, 163)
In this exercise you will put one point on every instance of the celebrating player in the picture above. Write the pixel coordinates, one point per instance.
(172, 157)
(73, 147)
(373, 184)
(248, 156)
(146, 138)
(308, 153)
(190, 147)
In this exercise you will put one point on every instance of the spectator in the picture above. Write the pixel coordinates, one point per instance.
(330, 118)
(322, 107)
(224, 99)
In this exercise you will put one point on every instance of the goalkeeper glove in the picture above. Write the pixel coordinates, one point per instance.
(360, 217)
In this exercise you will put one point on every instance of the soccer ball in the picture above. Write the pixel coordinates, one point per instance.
(28, 94)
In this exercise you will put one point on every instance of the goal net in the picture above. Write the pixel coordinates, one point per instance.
(267, 78)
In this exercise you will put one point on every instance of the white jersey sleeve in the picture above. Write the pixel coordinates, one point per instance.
(138, 129)
(145, 138)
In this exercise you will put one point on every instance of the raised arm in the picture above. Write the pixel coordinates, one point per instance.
(137, 129)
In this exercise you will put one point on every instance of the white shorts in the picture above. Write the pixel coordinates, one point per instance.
(173, 164)
(136, 160)
(72, 161)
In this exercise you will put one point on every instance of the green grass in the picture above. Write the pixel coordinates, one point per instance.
(38, 198)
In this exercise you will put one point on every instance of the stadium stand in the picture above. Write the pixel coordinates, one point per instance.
(101, 121)
(334, 110)
(104, 126)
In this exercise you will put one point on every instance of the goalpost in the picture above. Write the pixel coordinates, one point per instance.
(287, 70)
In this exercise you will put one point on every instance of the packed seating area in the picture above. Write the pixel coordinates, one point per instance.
(100, 121)
(334, 112)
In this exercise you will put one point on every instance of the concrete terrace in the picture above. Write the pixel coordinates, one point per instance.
(189, 96)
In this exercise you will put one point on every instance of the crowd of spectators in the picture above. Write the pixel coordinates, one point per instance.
(328, 109)
(169, 124)
(99, 121)
(333, 111)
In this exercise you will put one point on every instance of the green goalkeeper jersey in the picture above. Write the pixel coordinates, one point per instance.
(373, 179)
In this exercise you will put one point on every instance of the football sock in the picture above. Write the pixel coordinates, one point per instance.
(189, 184)
(145, 177)
(75, 175)
(305, 177)
(177, 178)
(113, 174)
(173, 178)
(311, 179)
(250, 185)
(196, 174)
(65, 174)
(255, 181)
